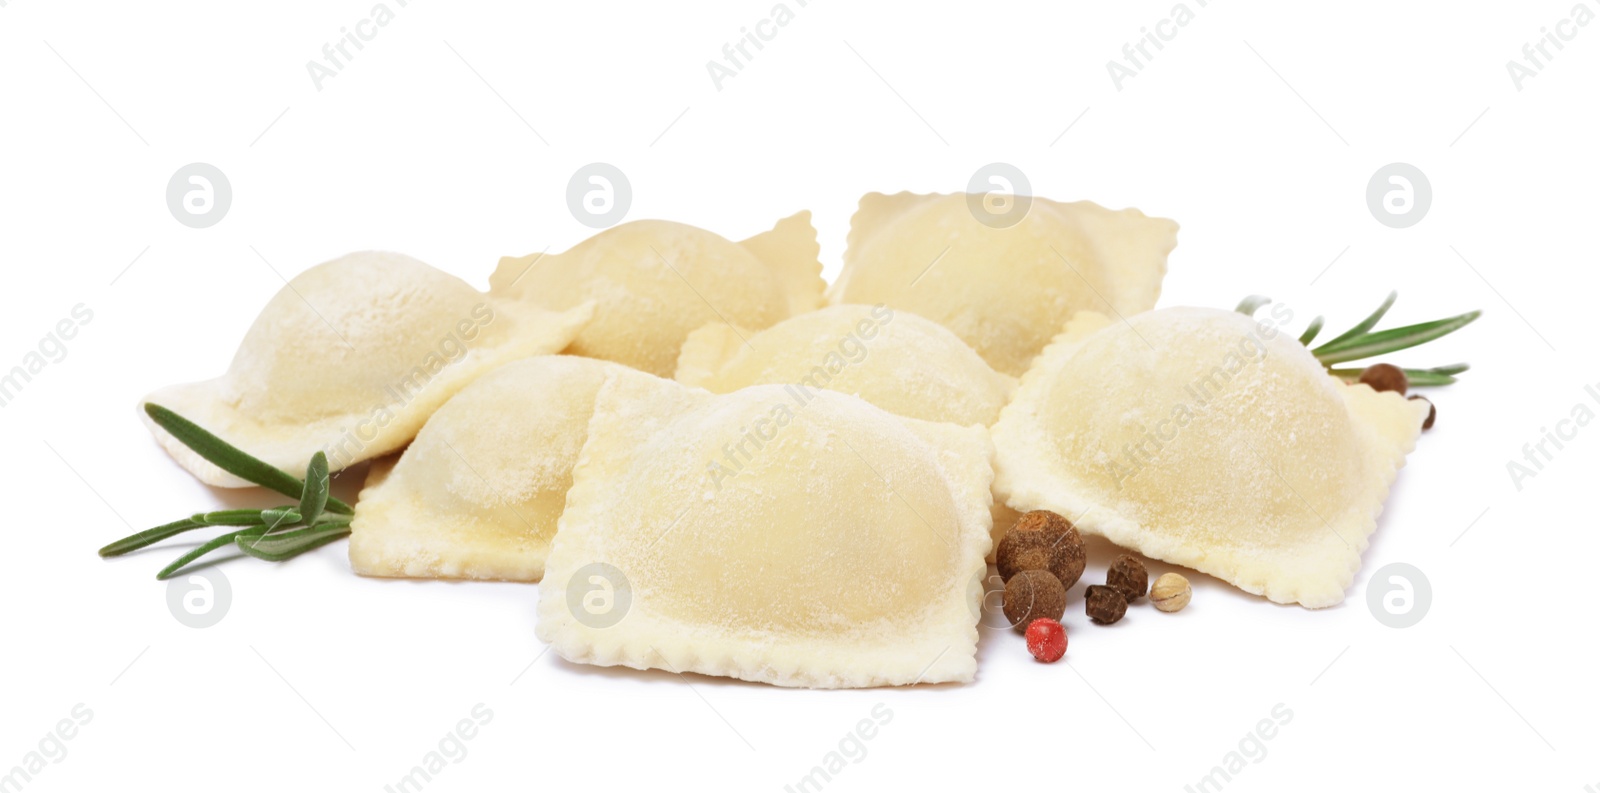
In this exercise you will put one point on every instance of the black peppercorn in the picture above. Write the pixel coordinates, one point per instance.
(1105, 604)
(1127, 575)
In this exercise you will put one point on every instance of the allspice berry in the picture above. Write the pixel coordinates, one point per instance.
(1104, 604)
(1128, 576)
(1385, 377)
(1042, 540)
(1427, 423)
(1170, 593)
(1041, 519)
(1031, 595)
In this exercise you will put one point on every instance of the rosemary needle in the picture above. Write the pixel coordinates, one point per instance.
(230, 458)
(215, 543)
(1361, 342)
(1311, 332)
(273, 534)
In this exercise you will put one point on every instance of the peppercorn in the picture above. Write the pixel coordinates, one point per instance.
(1128, 576)
(1042, 540)
(1047, 640)
(1385, 377)
(1170, 593)
(1105, 604)
(1427, 423)
(1031, 595)
(1041, 519)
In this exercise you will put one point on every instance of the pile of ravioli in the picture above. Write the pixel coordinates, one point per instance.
(711, 461)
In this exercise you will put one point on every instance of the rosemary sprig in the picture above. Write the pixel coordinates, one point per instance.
(1368, 345)
(213, 544)
(274, 534)
(289, 544)
(1438, 375)
(1361, 342)
(1369, 323)
(230, 458)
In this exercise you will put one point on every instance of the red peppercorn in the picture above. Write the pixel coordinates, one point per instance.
(1047, 640)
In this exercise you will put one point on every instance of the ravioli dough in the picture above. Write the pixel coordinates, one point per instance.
(1007, 291)
(896, 360)
(654, 281)
(1175, 435)
(478, 493)
(825, 544)
(350, 358)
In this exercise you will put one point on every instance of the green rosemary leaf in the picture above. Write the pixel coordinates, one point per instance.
(289, 544)
(230, 458)
(1440, 375)
(315, 496)
(280, 517)
(1426, 378)
(217, 542)
(134, 542)
(1367, 324)
(1384, 342)
(229, 517)
(1249, 305)
(223, 454)
(310, 544)
(1311, 332)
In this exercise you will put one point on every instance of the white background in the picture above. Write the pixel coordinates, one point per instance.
(451, 137)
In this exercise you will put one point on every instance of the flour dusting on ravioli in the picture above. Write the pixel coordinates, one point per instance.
(351, 357)
(654, 281)
(819, 542)
(1005, 291)
(1210, 440)
(896, 360)
(478, 493)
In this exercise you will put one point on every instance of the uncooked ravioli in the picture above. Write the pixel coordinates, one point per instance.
(478, 493)
(351, 357)
(1207, 439)
(821, 543)
(894, 359)
(654, 281)
(1005, 291)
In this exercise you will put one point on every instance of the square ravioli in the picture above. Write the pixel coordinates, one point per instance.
(778, 534)
(1004, 283)
(654, 281)
(1203, 438)
(350, 358)
(478, 493)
